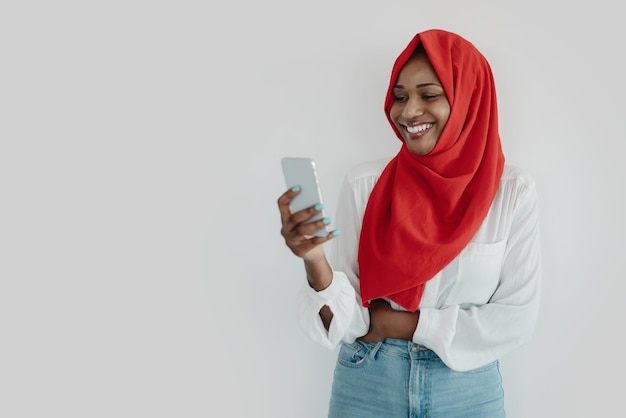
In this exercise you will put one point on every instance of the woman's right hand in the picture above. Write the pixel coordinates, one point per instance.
(298, 233)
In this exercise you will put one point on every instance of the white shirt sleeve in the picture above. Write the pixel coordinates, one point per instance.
(469, 335)
(350, 319)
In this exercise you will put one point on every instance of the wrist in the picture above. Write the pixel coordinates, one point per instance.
(318, 273)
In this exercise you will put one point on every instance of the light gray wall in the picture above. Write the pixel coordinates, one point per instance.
(142, 272)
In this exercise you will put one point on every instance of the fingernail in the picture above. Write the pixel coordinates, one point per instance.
(336, 232)
(295, 189)
(326, 221)
(319, 206)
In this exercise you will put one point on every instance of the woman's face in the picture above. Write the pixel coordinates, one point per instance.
(420, 108)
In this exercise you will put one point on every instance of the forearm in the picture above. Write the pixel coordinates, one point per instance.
(320, 275)
(400, 325)
(385, 322)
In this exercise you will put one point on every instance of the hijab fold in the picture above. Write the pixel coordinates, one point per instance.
(425, 209)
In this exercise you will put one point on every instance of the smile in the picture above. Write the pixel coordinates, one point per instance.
(415, 129)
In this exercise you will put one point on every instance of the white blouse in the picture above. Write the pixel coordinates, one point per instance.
(479, 307)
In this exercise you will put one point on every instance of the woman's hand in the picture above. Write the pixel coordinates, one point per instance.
(386, 322)
(298, 237)
(298, 233)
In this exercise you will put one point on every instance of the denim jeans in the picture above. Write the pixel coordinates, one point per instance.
(400, 379)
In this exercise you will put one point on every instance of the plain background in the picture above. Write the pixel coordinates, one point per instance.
(142, 271)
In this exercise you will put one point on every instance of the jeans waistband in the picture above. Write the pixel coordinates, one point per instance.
(406, 348)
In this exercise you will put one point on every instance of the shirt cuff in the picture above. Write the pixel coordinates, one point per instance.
(436, 327)
(339, 296)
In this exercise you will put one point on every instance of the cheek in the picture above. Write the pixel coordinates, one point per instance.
(393, 116)
(393, 113)
(444, 114)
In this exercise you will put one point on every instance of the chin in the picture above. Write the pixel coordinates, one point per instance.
(421, 151)
(420, 148)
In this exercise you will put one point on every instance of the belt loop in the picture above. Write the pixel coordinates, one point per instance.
(374, 350)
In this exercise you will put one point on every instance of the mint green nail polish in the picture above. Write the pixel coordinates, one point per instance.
(295, 189)
(326, 221)
(319, 206)
(336, 232)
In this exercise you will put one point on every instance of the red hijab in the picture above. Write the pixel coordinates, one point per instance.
(425, 209)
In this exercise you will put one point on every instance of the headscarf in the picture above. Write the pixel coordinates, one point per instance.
(424, 210)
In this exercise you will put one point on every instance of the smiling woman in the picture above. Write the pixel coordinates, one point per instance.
(420, 108)
(439, 251)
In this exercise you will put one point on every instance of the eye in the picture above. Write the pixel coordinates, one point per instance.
(400, 98)
(429, 97)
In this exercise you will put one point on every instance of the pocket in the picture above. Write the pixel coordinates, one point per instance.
(479, 267)
(355, 354)
(487, 367)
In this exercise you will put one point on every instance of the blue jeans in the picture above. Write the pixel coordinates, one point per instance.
(400, 379)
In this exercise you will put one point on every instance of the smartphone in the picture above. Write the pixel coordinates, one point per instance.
(302, 172)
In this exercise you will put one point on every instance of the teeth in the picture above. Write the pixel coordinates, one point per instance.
(418, 128)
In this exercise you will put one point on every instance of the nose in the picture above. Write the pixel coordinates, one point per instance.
(413, 108)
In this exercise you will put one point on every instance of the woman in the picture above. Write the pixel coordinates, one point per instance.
(436, 274)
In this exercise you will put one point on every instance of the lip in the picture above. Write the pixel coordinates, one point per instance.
(417, 130)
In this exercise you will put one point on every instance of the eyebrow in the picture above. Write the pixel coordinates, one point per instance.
(400, 86)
